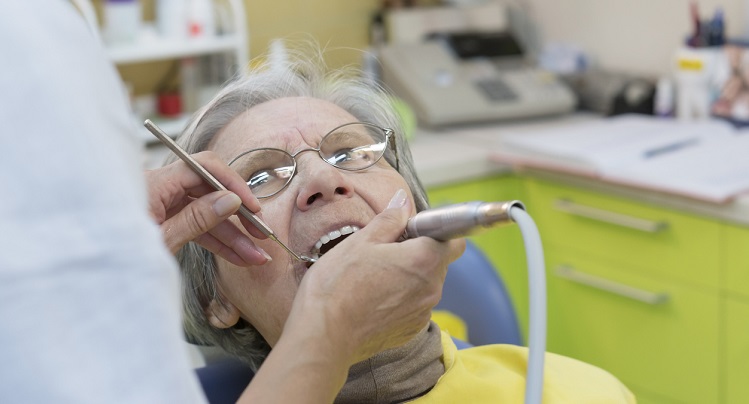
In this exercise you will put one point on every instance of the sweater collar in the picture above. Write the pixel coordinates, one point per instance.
(398, 374)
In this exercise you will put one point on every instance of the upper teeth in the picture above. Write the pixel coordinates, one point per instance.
(332, 236)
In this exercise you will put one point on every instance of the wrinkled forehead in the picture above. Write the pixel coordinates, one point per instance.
(286, 123)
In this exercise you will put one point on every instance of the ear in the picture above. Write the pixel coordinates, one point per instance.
(222, 314)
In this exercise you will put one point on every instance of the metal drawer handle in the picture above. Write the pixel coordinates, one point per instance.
(644, 296)
(601, 215)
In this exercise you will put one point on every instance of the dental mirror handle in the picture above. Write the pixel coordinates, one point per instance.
(210, 179)
(460, 220)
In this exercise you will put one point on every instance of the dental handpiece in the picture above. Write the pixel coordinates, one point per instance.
(217, 185)
(460, 220)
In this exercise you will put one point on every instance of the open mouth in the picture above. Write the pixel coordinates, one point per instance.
(332, 239)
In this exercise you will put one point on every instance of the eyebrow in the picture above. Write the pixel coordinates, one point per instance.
(245, 167)
(284, 147)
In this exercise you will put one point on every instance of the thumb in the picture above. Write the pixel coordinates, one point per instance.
(198, 217)
(389, 225)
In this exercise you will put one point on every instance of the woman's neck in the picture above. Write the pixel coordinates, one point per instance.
(398, 374)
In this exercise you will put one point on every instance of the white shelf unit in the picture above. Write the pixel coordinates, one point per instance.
(154, 47)
(150, 46)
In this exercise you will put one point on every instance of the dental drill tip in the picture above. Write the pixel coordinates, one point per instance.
(297, 257)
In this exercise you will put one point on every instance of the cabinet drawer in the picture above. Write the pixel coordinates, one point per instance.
(651, 240)
(736, 253)
(660, 339)
(737, 351)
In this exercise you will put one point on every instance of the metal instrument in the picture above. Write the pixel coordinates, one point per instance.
(209, 178)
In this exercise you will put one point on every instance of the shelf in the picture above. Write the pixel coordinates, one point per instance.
(151, 46)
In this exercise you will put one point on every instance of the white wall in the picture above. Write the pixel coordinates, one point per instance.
(636, 36)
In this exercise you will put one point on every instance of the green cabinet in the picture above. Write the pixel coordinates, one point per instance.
(736, 314)
(736, 279)
(633, 288)
(656, 241)
(504, 245)
(659, 338)
(736, 351)
(654, 295)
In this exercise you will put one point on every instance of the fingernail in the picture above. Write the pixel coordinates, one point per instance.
(251, 253)
(227, 204)
(399, 199)
(265, 254)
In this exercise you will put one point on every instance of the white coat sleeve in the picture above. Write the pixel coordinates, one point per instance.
(89, 296)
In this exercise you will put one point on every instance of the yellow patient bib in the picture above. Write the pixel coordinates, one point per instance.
(496, 374)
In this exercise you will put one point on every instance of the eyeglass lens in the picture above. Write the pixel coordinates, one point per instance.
(350, 147)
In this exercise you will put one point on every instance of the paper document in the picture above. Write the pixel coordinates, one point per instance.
(706, 160)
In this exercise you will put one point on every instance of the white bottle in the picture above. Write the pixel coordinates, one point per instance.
(200, 19)
(664, 98)
(189, 83)
(171, 18)
(122, 20)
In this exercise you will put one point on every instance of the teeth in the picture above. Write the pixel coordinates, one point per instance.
(332, 236)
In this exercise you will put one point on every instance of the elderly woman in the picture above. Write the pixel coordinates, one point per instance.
(325, 154)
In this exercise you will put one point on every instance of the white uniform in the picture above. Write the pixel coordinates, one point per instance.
(89, 299)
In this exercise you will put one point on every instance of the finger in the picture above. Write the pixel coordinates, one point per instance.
(204, 189)
(254, 231)
(229, 178)
(233, 182)
(389, 225)
(233, 240)
(456, 248)
(198, 217)
(217, 247)
(434, 256)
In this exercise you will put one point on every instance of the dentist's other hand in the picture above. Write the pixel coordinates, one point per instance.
(396, 284)
(189, 209)
(368, 294)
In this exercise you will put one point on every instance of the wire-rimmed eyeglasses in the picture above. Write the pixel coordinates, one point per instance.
(351, 147)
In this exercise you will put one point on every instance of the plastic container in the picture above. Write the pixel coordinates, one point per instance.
(663, 105)
(122, 21)
(169, 105)
(200, 19)
(171, 18)
(694, 77)
(190, 84)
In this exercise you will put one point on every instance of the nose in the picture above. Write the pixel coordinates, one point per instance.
(320, 182)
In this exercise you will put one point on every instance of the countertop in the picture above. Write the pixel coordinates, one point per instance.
(457, 154)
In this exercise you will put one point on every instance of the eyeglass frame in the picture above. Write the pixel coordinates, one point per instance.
(389, 135)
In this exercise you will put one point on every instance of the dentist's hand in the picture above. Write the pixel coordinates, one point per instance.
(188, 209)
(395, 284)
(368, 294)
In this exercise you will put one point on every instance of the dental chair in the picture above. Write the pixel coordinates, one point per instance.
(473, 291)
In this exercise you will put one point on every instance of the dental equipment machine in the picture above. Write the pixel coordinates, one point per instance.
(446, 223)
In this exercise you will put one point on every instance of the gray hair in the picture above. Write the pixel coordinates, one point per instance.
(298, 76)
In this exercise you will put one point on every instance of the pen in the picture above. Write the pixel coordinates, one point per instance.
(209, 178)
(655, 152)
(695, 40)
